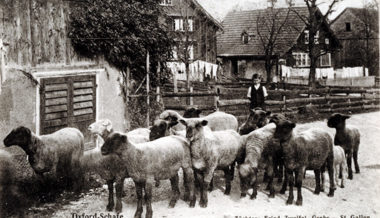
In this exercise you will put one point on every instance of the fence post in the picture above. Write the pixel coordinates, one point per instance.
(191, 102)
(284, 99)
(216, 98)
(158, 94)
(328, 95)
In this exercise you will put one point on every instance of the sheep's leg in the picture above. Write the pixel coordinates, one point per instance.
(211, 185)
(189, 180)
(337, 169)
(228, 176)
(342, 179)
(317, 174)
(330, 168)
(291, 184)
(175, 191)
(203, 188)
(119, 194)
(254, 185)
(110, 195)
(139, 193)
(280, 172)
(323, 178)
(299, 178)
(270, 176)
(355, 155)
(148, 198)
(284, 184)
(349, 158)
(208, 176)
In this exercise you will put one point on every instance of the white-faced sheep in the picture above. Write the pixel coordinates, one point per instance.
(348, 137)
(212, 150)
(56, 156)
(159, 159)
(256, 155)
(256, 119)
(312, 148)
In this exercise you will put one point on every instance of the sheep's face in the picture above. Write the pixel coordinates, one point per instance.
(284, 130)
(100, 127)
(194, 127)
(161, 128)
(257, 119)
(337, 120)
(114, 143)
(20, 136)
(191, 113)
(275, 118)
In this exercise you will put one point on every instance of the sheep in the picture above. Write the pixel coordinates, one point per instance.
(256, 154)
(256, 119)
(340, 164)
(348, 137)
(158, 159)
(103, 165)
(311, 148)
(10, 197)
(212, 150)
(55, 156)
(104, 127)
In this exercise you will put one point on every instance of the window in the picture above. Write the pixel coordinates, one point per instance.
(245, 37)
(348, 27)
(306, 36)
(316, 38)
(302, 59)
(327, 41)
(191, 52)
(175, 53)
(325, 60)
(166, 2)
(180, 26)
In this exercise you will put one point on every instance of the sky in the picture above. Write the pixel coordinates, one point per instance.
(219, 8)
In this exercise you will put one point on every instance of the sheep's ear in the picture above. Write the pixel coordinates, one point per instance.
(252, 111)
(204, 122)
(292, 125)
(183, 122)
(123, 138)
(345, 117)
(197, 111)
(173, 123)
(268, 113)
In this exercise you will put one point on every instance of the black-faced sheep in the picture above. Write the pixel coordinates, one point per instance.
(256, 119)
(312, 149)
(94, 161)
(348, 137)
(159, 159)
(256, 155)
(56, 156)
(211, 150)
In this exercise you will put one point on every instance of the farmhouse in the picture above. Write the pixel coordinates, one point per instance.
(358, 31)
(242, 52)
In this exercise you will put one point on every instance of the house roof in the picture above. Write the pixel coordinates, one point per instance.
(235, 23)
(370, 16)
(175, 10)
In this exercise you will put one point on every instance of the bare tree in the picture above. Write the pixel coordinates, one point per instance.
(270, 25)
(314, 22)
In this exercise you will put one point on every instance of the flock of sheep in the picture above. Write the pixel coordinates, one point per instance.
(195, 145)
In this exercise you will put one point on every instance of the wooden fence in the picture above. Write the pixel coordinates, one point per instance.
(233, 100)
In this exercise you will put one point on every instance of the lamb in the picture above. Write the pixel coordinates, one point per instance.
(348, 137)
(312, 148)
(212, 150)
(103, 165)
(256, 119)
(340, 164)
(158, 159)
(256, 155)
(56, 156)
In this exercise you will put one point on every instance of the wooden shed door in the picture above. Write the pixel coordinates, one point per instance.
(68, 102)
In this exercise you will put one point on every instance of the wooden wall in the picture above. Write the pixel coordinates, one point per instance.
(34, 32)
